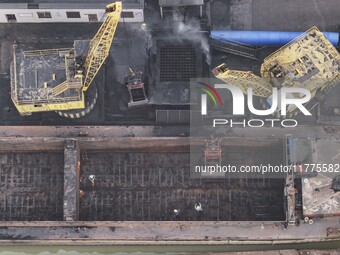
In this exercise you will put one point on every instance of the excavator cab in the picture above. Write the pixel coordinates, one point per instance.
(110, 8)
(219, 69)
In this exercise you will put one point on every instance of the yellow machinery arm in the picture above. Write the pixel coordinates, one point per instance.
(310, 61)
(243, 80)
(101, 43)
(51, 92)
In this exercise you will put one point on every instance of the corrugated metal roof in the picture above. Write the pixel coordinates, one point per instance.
(63, 4)
(72, 6)
(71, 1)
(180, 2)
(13, 6)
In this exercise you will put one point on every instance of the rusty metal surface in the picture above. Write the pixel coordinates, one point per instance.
(164, 233)
(333, 232)
(319, 199)
(149, 186)
(71, 180)
(31, 186)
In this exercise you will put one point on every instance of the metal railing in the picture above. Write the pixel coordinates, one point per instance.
(234, 48)
(34, 53)
(65, 86)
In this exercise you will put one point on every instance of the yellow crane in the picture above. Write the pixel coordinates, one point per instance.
(244, 80)
(56, 79)
(310, 61)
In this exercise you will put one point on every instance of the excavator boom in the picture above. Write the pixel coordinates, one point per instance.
(243, 80)
(101, 43)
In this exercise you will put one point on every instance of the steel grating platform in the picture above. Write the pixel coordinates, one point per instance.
(177, 62)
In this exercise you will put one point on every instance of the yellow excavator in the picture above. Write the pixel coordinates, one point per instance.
(58, 79)
(310, 61)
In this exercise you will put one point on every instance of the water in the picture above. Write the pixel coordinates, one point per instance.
(143, 250)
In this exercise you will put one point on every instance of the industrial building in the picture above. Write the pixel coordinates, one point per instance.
(98, 127)
(75, 11)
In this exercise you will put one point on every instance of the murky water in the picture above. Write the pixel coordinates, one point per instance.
(143, 250)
